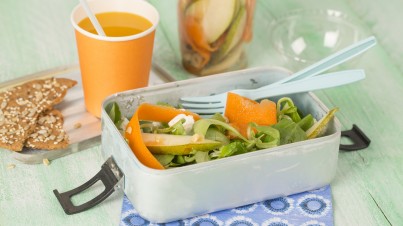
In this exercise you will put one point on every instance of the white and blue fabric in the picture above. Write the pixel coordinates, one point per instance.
(311, 208)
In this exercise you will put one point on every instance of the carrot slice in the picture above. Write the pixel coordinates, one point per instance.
(250, 9)
(133, 132)
(188, 28)
(240, 111)
(195, 30)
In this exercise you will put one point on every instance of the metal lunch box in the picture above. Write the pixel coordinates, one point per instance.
(172, 194)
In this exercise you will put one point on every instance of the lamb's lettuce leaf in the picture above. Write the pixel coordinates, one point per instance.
(114, 113)
(175, 129)
(287, 109)
(307, 122)
(165, 160)
(290, 132)
(201, 156)
(215, 134)
(201, 126)
(266, 137)
(234, 148)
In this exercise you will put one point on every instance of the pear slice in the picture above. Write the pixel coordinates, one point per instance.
(319, 128)
(227, 62)
(234, 35)
(177, 144)
(216, 16)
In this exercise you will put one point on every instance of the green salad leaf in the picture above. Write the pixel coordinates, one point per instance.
(266, 137)
(215, 134)
(114, 113)
(201, 126)
(307, 122)
(291, 127)
(234, 148)
(165, 160)
(219, 117)
(175, 129)
(290, 132)
(202, 156)
(287, 109)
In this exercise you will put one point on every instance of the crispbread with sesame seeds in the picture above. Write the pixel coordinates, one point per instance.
(49, 133)
(20, 107)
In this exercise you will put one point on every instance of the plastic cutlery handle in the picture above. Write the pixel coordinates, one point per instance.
(331, 61)
(309, 84)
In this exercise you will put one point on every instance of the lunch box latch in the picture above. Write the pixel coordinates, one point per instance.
(357, 136)
(109, 175)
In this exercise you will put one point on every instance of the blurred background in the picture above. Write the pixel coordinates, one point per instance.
(38, 34)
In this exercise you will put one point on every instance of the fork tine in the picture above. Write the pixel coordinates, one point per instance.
(206, 99)
(205, 106)
(206, 116)
(206, 111)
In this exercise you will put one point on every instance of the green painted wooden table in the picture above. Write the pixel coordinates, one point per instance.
(36, 36)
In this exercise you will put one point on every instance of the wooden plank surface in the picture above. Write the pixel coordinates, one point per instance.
(36, 35)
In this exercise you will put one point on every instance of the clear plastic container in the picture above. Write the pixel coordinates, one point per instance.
(302, 37)
(167, 195)
(213, 34)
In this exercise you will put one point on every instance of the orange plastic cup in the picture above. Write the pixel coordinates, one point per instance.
(113, 64)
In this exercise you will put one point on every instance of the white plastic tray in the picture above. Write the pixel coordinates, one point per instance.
(73, 110)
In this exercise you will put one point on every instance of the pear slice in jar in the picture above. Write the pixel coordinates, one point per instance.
(232, 58)
(215, 16)
(234, 35)
(177, 144)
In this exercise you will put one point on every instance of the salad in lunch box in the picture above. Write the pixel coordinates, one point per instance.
(162, 136)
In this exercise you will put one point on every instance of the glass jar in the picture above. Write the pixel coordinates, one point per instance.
(213, 34)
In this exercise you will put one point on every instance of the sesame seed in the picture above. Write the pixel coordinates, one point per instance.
(46, 162)
(10, 166)
(77, 125)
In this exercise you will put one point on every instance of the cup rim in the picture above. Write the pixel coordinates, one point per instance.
(122, 38)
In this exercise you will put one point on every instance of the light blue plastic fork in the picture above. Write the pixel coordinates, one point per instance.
(303, 85)
(199, 104)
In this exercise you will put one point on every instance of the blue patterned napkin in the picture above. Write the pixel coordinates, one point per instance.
(311, 208)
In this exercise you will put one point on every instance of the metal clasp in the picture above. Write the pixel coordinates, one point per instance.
(109, 175)
(357, 136)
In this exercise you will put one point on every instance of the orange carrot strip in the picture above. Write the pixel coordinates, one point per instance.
(240, 111)
(133, 132)
(195, 31)
(187, 39)
(250, 10)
